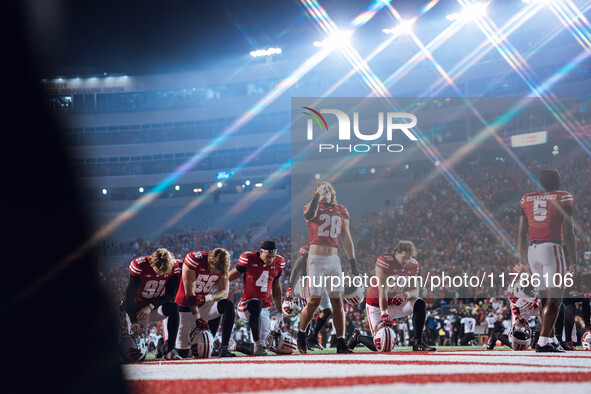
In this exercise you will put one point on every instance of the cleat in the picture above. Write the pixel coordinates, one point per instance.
(569, 346)
(224, 352)
(549, 348)
(159, 348)
(313, 344)
(420, 346)
(302, 342)
(342, 346)
(173, 355)
(354, 339)
(259, 351)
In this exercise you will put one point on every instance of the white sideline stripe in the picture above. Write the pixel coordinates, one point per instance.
(441, 388)
(314, 370)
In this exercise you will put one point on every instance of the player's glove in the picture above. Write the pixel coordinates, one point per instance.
(201, 324)
(535, 304)
(279, 322)
(399, 299)
(200, 299)
(386, 320)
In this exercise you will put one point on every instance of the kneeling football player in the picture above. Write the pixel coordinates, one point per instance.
(153, 282)
(262, 273)
(199, 307)
(383, 306)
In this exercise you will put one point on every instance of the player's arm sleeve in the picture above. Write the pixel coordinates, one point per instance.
(171, 288)
(129, 302)
(522, 241)
(242, 263)
(312, 209)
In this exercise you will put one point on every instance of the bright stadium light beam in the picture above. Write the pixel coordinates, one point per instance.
(471, 11)
(404, 27)
(339, 39)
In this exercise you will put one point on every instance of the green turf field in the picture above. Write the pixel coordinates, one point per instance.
(361, 349)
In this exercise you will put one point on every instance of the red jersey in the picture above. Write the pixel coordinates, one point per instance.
(258, 277)
(151, 285)
(197, 261)
(325, 228)
(544, 216)
(388, 263)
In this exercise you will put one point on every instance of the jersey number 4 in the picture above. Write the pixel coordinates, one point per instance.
(331, 226)
(263, 281)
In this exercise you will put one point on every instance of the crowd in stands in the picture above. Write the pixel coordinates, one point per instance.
(464, 227)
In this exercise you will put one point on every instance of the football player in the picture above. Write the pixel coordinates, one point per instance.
(153, 282)
(522, 309)
(327, 221)
(261, 273)
(383, 305)
(297, 272)
(199, 307)
(547, 215)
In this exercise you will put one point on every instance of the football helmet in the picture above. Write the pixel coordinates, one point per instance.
(586, 340)
(134, 347)
(520, 335)
(353, 295)
(281, 342)
(201, 343)
(384, 337)
(291, 307)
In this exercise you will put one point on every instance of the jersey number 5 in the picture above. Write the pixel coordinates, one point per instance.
(540, 210)
(331, 226)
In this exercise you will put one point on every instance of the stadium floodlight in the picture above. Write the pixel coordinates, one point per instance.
(104, 191)
(337, 40)
(258, 185)
(220, 184)
(470, 12)
(177, 188)
(247, 183)
(404, 27)
(141, 189)
(266, 52)
(317, 176)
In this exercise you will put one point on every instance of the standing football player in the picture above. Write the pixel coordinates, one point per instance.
(297, 272)
(327, 221)
(547, 215)
(383, 305)
(262, 274)
(153, 282)
(199, 307)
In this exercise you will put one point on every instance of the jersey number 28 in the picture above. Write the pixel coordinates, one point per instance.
(331, 226)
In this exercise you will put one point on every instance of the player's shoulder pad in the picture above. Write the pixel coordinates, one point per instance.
(244, 257)
(305, 249)
(385, 260)
(193, 258)
(343, 210)
(566, 198)
(280, 261)
(137, 265)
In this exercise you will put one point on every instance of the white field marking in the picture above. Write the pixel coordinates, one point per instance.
(442, 388)
(315, 370)
(504, 357)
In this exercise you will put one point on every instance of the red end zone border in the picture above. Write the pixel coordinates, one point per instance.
(265, 384)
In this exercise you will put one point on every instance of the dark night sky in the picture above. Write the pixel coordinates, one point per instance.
(135, 37)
